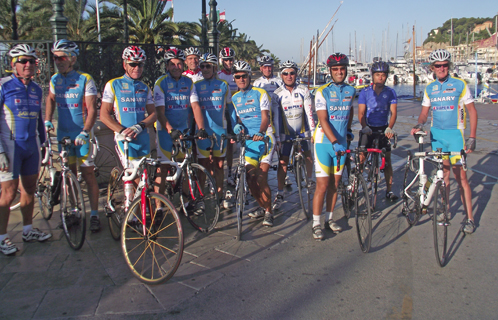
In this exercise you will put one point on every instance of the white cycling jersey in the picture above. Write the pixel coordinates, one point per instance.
(228, 77)
(194, 75)
(296, 110)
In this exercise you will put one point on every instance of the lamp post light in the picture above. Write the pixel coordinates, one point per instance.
(13, 5)
(213, 32)
(58, 21)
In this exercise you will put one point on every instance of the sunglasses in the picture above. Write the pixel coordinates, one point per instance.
(134, 65)
(243, 76)
(292, 73)
(228, 59)
(24, 61)
(338, 68)
(206, 66)
(60, 58)
(437, 66)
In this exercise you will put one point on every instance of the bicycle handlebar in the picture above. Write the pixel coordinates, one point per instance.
(179, 143)
(439, 153)
(243, 137)
(339, 155)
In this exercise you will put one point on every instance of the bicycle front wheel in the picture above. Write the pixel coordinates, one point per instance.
(240, 190)
(105, 161)
(346, 189)
(73, 214)
(202, 204)
(152, 247)
(440, 223)
(411, 196)
(363, 214)
(115, 204)
(374, 179)
(303, 188)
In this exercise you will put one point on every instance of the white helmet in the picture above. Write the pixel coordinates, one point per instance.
(440, 55)
(192, 51)
(227, 53)
(264, 60)
(174, 53)
(22, 50)
(288, 64)
(241, 66)
(134, 53)
(66, 46)
(209, 58)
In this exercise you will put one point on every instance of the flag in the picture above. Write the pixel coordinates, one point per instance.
(222, 16)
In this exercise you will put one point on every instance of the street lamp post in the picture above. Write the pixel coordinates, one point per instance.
(213, 30)
(125, 14)
(58, 21)
(13, 4)
(204, 41)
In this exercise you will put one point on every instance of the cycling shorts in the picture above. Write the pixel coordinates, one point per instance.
(165, 146)
(383, 141)
(326, 160)
(255, 151)
(84, 155)
(203, 145)
(137, 149)
(24, 158)
(286, 147)
(450, 140)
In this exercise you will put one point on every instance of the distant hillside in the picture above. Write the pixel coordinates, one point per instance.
(462, 28)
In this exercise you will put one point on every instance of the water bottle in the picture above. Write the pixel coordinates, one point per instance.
(52, 172)
(128, 191)
(428, 184)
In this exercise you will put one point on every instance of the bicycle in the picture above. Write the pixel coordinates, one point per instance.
(195, 186)
(105, 160)
(298, 166)
(355, 190)
(241, 187)
(16, 203)
(375, 163)
(418, 191)
(62, 187)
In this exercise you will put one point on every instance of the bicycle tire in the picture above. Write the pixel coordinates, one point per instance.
(345, 192)
(72, 209)
(115, 204)
(440, 226)
(199, 192)
(154, 257)
(105, 161)
(374, 179)
(363, 214)
(304, 193)
(411, 197)
(241, 200)
(43, 193)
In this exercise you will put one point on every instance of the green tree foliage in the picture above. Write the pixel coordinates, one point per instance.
(462, 28)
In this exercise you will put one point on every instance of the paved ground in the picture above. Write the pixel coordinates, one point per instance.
(277, 272)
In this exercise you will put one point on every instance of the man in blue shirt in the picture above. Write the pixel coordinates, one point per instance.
(375, 104)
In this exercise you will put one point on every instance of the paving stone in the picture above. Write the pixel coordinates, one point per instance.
(5, 278)
(121, 275)
(21, 304)
(196, 276)
(171, 293)
(29, 264)
(77, 302)
(241, 249)
(127, 299)
(220, 261)
(46, 280)
(206, 243)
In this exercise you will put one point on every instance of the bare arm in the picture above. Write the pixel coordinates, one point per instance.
(362, 109)
(199, 117)
(265, 121)
(91, 107)
(49, 106)
(394, 115)
(473, 121)
(106, 117)
(163, 121)
(422, 118)
(324, 122)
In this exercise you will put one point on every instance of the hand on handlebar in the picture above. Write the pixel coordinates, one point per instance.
(175, 134)
(49, 125)
(470, 145)
(258, 136)
(339, 148)
(238, 128)
(202, 134)
(389, 133)
(367, 130)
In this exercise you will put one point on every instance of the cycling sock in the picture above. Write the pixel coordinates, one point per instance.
(94, 213)
(26, 229)
(328, 216)
(3, 237)
(316, 220)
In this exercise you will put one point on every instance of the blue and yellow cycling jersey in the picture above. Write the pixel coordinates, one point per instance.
(70, 92)
(176, 97)
(337, 100)
(20, 115)
(248, 107)
(378, 107)
(447, 101)
(213, 96)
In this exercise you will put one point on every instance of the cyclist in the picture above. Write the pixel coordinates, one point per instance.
(213, 96)
(334, 108)
(375, 103)
(75, 95)
(21, 133)
(193, 71)
(227, 59)
(295, 106)
(448, 97)
(128, 106)
(175, 99)
(252, 106)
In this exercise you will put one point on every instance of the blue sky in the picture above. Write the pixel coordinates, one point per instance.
(281, 26)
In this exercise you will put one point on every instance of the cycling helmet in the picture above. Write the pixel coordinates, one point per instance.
(241, 66)
(227, 53)
(209, 58)
(264, 60)
(174, 53)
(66, 46)
(380, 66)
(337, 59)
(439, 55)
(192, 51)
(134, 53)
(22, 50)
(288, 64)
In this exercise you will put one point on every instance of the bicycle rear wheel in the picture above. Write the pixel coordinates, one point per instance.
(373, 177)
(303, 188)
(241, 200)
(115, 204)
(345, 188)
(43, 193)
(440, 224)
(105, 161)
(73, 214)
(154, 256)
(202, 205)
(363, 214)
(411, 196)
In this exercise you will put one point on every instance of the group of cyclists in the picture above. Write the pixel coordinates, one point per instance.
(208, 95)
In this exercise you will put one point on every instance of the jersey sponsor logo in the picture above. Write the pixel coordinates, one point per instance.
(178, 107)
(203, 99)
(293, 107)
(239, 99)
(73, 86)
(59, 81)
(435, 92)
(133, 100)
(140, 91)
(442, 99)
(107, 96)
(125, 86)
(339, 118)
(296, 95)
(68, 105)
(334, 100)
(217, 91)
(246, 110)
(67, 95)
(170, 85)
(183, 89)
(450, 84)
(33, 96)
(33, 90)
(434, 88)
(333, 94)
(28, 114)
(249, 102)
(449, 90)
(203, 87)
(132, 109)
(18, 101)
(443, 108)
(176, 98)
(347, 92)
(339, 108)
(210, 108)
